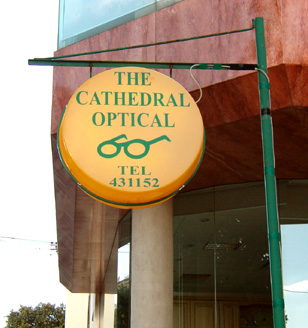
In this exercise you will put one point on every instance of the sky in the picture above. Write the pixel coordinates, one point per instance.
(29, 270)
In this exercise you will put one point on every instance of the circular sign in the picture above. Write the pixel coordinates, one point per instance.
(131, 137)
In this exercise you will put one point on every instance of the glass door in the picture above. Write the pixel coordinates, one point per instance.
(221, 261)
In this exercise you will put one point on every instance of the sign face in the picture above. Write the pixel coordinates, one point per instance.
(131, 137)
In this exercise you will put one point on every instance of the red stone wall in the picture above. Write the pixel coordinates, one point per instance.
(286, 38)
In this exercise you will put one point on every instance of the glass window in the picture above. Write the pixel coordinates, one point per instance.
(294, 230)
(221, 260)
(80, 19)
(122, 313)
(115, 299)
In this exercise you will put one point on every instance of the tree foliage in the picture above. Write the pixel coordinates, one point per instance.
(42, 316)
(122, 312)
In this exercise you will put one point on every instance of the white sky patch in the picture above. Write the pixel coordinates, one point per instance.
(301, 286)
(29, 268)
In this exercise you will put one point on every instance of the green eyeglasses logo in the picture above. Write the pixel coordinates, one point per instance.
(125, 145)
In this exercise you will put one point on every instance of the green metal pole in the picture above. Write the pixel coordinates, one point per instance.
(274, 239)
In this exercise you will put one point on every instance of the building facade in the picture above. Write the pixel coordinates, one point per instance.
(200, 259)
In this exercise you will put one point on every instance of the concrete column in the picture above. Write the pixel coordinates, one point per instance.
(152, 267)
(77, 308)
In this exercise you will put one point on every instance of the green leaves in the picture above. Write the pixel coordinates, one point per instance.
(42, 316)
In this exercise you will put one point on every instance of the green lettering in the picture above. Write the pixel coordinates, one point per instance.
(158, 98)
(155, 183)
(156, 121)
(123, 118)
(172, 100)
(139, 119)
(167, 121)
(111, 117)
(145, 99)
(147, 182)
(130, 78)
(143, 171)
(133, 119)
(182, 101)
(120, 77)
(118, 98)
(122, 168)
(113, 182)
(95, 99)
(78, 97)
(134, 170)
(106, 96)
(132, 99)
(96, 120)
(145, 78)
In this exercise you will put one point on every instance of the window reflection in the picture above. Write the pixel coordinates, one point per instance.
(293, 211)
(294, 231)
(122, 301)
(122, 314)
(295, 273)
(81, 19)
(221, 260)
(115, 299)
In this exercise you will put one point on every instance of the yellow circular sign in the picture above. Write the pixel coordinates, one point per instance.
(131, 137)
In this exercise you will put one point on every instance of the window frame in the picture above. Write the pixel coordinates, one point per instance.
(134, 14)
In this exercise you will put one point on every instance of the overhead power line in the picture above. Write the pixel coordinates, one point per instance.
(28, 240)
(53, 245)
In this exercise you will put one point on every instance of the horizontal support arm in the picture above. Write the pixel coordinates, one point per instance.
(92, 63)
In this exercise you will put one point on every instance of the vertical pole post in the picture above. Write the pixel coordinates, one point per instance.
(274, 237)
